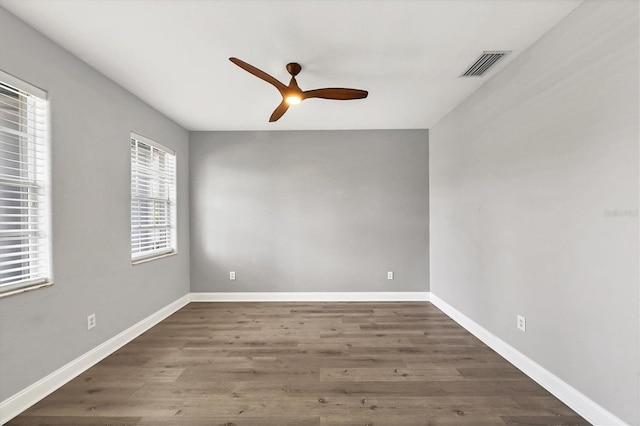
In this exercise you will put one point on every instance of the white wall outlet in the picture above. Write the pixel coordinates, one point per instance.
(522, 323)
(390, 275)
(91, 321)
(232, 275)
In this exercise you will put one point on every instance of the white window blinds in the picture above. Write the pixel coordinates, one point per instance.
(153, 195)
(24, 186)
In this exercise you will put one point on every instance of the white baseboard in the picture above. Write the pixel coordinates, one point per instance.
(16, 404)
(382, 296)
(584, 406)
(578, 402)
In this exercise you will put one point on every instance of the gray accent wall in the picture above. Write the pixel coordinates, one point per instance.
(534, 204)
(91, 118)
(309, 211)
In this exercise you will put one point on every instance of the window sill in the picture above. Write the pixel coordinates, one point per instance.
(153, 257)
(25, 289)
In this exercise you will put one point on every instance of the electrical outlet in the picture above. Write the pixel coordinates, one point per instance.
(522, 323)
(390, 275)
(232, 275)
(91, 321)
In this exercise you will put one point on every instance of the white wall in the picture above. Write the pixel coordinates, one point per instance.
(310, 211)
(92, 117)
(523, 176)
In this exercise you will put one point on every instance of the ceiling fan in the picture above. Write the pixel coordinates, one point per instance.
(292, 94)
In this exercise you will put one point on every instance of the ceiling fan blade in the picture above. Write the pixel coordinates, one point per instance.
(259, 73)
(335, 93)
(279, 111)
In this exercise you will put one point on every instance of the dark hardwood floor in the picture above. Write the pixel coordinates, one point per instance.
(303, 364)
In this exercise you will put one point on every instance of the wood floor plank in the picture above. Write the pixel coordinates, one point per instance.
(388, 374)
(182, 420)
(75, 421)
(303, 364)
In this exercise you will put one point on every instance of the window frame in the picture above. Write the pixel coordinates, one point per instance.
(34, 177)
(170, 187)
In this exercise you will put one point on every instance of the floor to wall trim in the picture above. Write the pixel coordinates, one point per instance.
(382, 296)
(16, 404)
(577, 401)
(584, 406)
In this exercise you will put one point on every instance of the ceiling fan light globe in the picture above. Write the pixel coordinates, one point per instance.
(293, 100)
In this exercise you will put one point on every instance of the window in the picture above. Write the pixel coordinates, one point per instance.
(24, 187)
(153, 199)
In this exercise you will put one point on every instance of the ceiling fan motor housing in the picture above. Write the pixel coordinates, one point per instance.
(293, 68)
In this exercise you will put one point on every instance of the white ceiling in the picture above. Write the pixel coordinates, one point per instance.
(407, 54)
